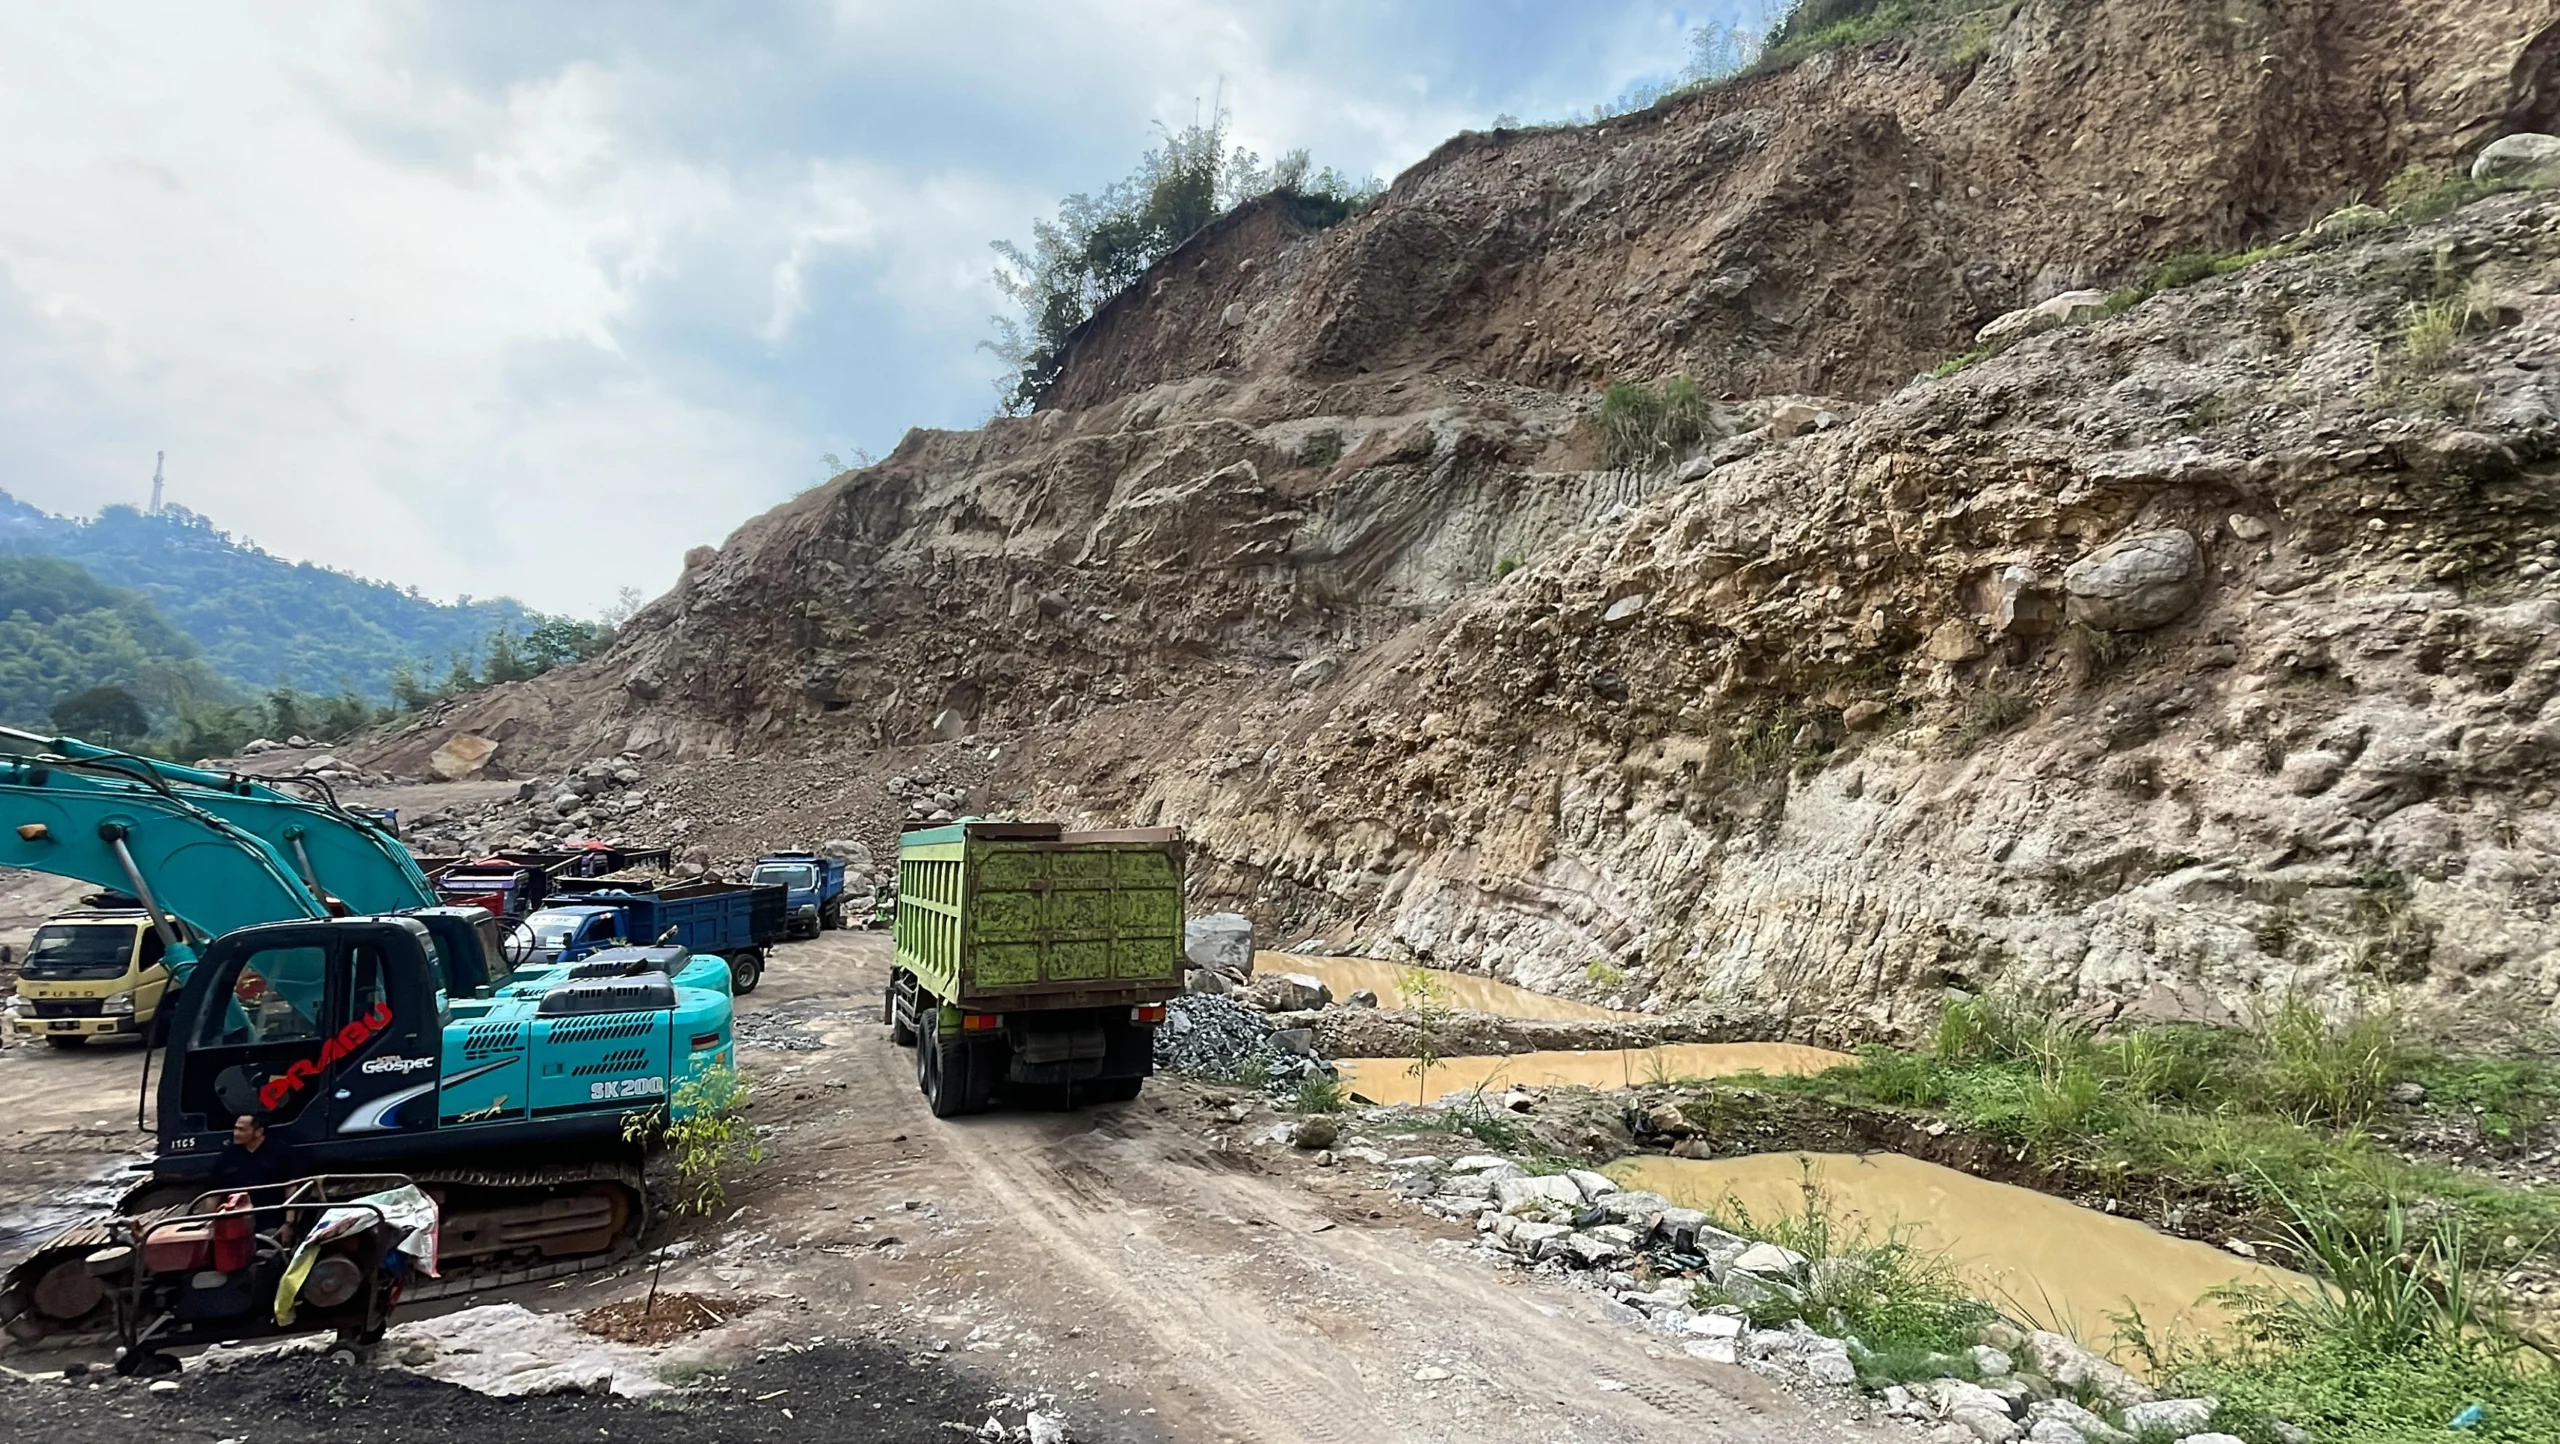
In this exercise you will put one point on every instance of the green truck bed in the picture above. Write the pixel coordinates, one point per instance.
(1015, 915)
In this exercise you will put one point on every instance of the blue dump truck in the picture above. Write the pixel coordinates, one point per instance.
(814, 884)
(736, 921)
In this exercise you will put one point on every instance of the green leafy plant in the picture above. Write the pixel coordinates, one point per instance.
(2419, 192)
(1425, 998)
(2430, 330)
(706, 1132)
(1508, 563)
(1644, 426)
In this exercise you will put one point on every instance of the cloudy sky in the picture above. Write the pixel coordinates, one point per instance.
(528, 298)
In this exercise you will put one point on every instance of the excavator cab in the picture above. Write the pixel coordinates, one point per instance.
(331, 1031)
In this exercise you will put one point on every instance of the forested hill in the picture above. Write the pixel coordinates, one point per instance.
(260, 619)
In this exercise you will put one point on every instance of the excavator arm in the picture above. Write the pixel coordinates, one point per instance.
(182, 860)
(333, 852)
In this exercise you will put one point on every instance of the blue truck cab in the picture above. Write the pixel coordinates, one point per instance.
(814, 884)
(566, 934)
(714, 921)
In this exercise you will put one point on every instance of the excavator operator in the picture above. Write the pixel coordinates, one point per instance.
(250, 1160)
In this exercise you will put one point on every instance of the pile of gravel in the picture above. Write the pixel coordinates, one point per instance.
(1207, 1035)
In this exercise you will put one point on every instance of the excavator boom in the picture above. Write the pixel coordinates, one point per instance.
(334, 852)
(181, 859)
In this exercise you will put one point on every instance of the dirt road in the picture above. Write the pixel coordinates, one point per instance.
(1154, 1265)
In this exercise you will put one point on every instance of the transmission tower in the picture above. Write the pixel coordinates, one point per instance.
(161, 459)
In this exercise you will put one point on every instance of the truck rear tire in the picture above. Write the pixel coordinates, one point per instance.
(745, 971)
(956, 1074)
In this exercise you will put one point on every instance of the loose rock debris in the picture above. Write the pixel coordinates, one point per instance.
(664, 1319)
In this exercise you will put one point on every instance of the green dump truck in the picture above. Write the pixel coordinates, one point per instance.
(1034, 961)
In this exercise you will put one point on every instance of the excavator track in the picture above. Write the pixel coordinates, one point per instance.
(499, 1228)
(501, 1267)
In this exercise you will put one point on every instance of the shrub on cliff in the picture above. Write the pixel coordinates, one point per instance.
(1103, 241)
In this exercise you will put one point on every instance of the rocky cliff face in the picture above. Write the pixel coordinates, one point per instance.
(2157, 661)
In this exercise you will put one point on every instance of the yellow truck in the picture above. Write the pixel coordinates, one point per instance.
(94, 972)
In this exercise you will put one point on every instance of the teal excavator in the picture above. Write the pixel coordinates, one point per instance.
(371, 1029)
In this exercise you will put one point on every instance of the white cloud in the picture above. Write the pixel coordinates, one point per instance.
(485, 309)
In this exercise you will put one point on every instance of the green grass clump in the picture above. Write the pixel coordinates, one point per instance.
(2508, 1098)
(1954, 364)
(2421, 192)
(2182, 271)
(1646, 426)
(1318, 1093)
(1903, 1304)
(2391, 1339)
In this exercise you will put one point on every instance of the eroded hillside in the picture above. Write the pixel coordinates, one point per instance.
(1314, 552)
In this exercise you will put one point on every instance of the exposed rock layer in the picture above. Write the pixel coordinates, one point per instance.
(1798, 724)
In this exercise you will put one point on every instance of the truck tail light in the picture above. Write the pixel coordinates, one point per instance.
(1147, 1013)
(705, 1040)
(981, 1022)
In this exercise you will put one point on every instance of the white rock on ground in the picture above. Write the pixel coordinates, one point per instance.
(507, 1350)
(2526, 157)
(2170, 1416)
(1768, 1260)
(2137, 583)
(1515, 1194)
(2061, 1358)
(1594, 1186)
(2050, 1419)
(2069, 308)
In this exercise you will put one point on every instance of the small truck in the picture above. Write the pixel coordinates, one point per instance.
(815, 885)
(1034, 961)
(94, 972)
(737, 921)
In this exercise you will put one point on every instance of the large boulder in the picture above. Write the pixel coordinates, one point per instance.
(2144, 581)
(1220, 943)
(2063, 1360)
(2527, 159)
(1290, 993)
(464, 754)
(2066, 309)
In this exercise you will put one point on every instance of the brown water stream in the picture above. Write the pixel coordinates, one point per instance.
(1390, 1080)
(1346, 976)
(2037, 1257)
